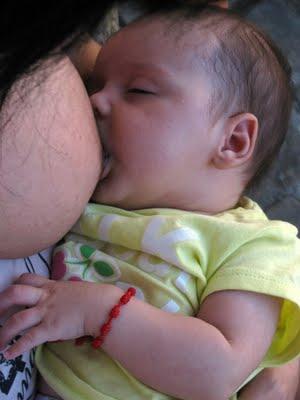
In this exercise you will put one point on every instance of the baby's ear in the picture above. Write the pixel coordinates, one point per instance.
(237, 142)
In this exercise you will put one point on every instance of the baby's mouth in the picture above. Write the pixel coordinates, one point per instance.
(106, 165)
(106, 156)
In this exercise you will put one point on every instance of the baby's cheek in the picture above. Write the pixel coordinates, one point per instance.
(50, 164)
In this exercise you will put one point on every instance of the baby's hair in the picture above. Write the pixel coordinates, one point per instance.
(250, 74)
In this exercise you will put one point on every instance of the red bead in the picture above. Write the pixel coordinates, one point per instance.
(105, 329)
(131, 291)
(115, 311)
(125, 298)
(97, 342)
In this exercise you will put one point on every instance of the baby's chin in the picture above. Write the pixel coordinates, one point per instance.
(106, 195)
(97, 196)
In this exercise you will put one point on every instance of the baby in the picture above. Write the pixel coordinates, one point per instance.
(188, 117)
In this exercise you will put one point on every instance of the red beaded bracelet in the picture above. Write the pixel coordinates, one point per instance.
(106, 327)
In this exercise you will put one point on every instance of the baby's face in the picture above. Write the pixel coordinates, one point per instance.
(151, 102)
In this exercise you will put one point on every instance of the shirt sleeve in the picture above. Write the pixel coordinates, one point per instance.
(267, 263)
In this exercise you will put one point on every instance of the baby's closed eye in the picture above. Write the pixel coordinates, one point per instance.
(140, 91)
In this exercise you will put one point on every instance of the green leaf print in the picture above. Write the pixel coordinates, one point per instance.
(86, 251)
(103, 268)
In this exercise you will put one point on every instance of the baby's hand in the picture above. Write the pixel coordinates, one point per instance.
(56, 310)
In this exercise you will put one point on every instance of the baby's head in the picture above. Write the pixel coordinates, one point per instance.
(191, 107)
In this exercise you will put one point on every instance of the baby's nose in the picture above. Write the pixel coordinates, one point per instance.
(100, 102)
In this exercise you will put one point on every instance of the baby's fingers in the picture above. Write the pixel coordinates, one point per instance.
(32, 338)
(21, 295)
(32, 280)
(18, 323)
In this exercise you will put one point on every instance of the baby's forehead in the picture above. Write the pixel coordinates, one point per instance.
(153, 41)
(195, 40)
(191, 41)
(182, 32)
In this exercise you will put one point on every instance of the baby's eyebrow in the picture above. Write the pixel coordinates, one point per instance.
(155, 71)
(152, 67)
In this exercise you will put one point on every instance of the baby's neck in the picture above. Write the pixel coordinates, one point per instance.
(212, 206)
(219, 193)
(203, 205)
(210, 200)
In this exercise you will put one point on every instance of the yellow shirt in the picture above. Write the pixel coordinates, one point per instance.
(174, 259)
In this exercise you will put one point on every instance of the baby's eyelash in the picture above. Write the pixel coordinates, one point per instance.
(139, 91)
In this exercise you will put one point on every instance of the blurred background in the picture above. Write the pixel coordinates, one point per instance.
(279, 191)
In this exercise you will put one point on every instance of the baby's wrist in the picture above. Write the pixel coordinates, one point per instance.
(103, 299)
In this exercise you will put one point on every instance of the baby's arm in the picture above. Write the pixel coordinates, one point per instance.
(274, 384)
(183, 356)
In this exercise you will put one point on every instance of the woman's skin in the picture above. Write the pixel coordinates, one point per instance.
(50, 159)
